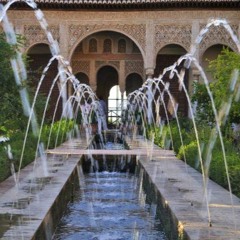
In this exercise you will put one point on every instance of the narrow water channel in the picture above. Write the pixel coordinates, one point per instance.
(110, 206)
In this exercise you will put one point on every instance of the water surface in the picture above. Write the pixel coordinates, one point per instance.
(110, 206)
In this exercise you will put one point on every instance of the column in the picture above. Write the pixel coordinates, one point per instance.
(122, 80)
(149, 61)
(93, 76)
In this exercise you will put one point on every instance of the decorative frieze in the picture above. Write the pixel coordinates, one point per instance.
(134, 67)
(172, 34)
(35, 34)
(99, 64)
(137, 31)
(81, 66)
(217, 35)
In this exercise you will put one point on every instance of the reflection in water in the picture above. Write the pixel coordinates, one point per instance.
(110, 206)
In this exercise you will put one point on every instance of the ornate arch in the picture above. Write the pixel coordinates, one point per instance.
(166, 34)
(35, 44)
(134, 67)
(81, 66)
(34, 34)
(176, 44)
(135, 32)
(114, 64)
(217, 35)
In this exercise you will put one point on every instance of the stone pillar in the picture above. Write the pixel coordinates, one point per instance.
(194, 75)
(149, 61)
(64, 50)
(122, 80)
(64, 41)
(93, 76)
(195, 33)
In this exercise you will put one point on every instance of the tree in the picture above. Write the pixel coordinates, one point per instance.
(222, 69)
(12, 117)
(10, 104)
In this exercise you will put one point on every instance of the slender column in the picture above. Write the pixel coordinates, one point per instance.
(63, 41)
(195, 32)
(149, 60)
(122, 80)
(93, 76)
(193, 72)
(63, 46)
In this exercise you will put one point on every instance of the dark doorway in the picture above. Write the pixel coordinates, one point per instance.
(166, 58)
(82, 77)
(133, 82)
(107, 77)
(39, 56)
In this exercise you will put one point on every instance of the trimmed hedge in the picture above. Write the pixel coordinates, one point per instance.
(55, 135)
(189, 152)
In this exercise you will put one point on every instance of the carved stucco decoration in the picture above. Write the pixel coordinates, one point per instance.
(137, 31)
(81, 66)
(100, 64)
(134, 67)
(172, 34)
(217, 35)
(35, 34)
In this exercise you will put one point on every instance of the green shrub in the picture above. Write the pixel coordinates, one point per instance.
(191, 154)
(54, 135)
(4, 164)
(59, 134)
(234, 172)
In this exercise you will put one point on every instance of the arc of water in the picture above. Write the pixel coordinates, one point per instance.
(18, 67)
(218, 124)
(218, 128)
(198, 145)
(203, 32)
(175, 113)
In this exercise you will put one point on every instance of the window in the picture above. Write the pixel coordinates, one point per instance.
(93, 45)
(122, 46)
(107, 46)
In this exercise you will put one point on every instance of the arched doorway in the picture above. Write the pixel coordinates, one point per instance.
(82, 77)
(39, 56)
(116, 102)
(211, 54)
(107, 77)
(107, 48)
(165, 58)
(133, 82)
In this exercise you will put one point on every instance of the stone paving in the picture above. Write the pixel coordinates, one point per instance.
(23, 208)
(182, 189)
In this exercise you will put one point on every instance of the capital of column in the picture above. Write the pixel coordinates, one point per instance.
(149, 72)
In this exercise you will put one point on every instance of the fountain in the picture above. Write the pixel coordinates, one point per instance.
(193, 211)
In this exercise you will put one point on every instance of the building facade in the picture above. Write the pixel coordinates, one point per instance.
(123, 42)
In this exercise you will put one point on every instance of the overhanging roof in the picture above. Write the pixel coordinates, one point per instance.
(131, 4)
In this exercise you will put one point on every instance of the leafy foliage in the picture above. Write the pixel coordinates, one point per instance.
(222, 69)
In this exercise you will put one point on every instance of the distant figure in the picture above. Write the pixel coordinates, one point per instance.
(103, 105)
(103, 112)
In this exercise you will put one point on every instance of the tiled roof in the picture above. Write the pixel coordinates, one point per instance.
(133, 4)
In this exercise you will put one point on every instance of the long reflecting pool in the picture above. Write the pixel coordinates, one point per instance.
(110, 206)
